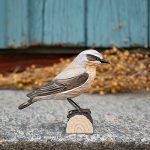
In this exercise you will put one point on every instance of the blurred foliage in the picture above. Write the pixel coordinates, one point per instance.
(128, 71)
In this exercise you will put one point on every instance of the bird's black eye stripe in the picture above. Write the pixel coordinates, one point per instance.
(92, 58)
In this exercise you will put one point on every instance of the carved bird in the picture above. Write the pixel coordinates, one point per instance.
(73, 81)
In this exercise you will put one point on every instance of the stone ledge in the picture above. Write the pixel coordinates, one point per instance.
(120, 122)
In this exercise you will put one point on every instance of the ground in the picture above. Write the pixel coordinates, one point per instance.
(121, 121)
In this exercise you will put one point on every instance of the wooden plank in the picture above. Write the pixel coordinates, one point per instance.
(138, 22)
(64, 22)
(36, 9)
(117, 22)
(2, 23)
(17, 22)
(148, 5)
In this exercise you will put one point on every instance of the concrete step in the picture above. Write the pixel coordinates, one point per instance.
(120, 122)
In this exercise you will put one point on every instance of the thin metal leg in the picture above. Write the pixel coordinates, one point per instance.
(78, 110)
(75, 105)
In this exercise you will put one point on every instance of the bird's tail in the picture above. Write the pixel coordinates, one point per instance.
(26, 104)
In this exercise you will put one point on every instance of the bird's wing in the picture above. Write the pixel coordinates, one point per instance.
(59, 85)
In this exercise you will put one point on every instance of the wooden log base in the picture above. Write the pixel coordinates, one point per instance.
(79, 122)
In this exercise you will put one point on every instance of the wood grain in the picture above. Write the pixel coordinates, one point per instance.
(35, 21)
(64, 22)
(148, 23)
(117, 22)
(17, 24)
(2, 23)
(94, 23)
(79, 124)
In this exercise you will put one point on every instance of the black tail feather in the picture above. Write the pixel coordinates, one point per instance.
(26, 104)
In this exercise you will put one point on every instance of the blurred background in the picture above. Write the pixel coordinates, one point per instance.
(39, 38)
(44, 35)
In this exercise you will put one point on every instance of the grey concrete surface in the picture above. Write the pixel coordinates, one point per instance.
(120, 122)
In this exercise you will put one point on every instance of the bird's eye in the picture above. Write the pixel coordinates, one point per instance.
(97, 58)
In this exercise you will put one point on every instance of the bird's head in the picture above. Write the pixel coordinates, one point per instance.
(91, 56)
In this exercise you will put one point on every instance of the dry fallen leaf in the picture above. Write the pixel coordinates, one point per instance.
(128, 71)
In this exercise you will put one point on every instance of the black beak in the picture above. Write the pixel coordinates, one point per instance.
(104, 61)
